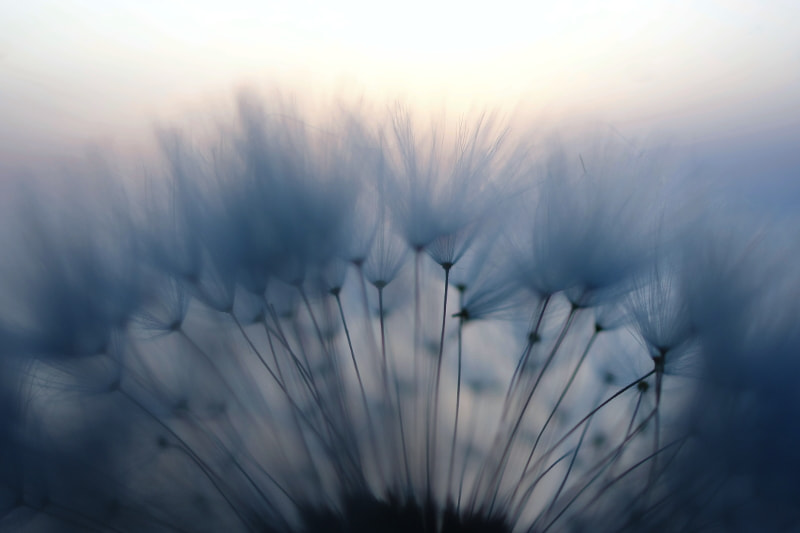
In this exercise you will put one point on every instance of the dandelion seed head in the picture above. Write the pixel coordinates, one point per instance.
(304, 324)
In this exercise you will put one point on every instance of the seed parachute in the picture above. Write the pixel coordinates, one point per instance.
(302, 324)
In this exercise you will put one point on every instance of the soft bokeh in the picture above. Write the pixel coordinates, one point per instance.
(358, 287)
(717, 76)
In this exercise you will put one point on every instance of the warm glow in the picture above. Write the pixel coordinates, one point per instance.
(78, 69)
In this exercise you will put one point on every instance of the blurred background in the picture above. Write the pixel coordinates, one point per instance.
(716, 77)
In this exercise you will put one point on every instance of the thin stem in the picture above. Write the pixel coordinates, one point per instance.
(294, 415)
(612, 482)
(431, 455)
(627, 431)
(370, 427)
(604, 463)
(601, 465)
(415, 403)
(589, 415)
(569, 469)
(458, 402)
(248, 412)
(520, 507)
(346, 421)
(330, 427)
(326, 352)
(207, 472)
(656, 433)
(500, 471)
(305, 372)
(533, 337)
(555, 408)
(222, 446)
(663, 468)
(210, 360)
(397, 389)
(471, 428)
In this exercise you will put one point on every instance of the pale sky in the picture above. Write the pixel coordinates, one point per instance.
(80, 71)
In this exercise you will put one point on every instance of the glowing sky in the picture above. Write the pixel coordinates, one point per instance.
(75, 70)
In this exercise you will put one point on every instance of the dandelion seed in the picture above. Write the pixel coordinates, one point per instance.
(345, 328)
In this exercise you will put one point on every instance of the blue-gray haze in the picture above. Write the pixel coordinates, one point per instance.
(381, 324)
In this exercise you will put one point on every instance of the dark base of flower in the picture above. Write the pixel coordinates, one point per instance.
(368, 514)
